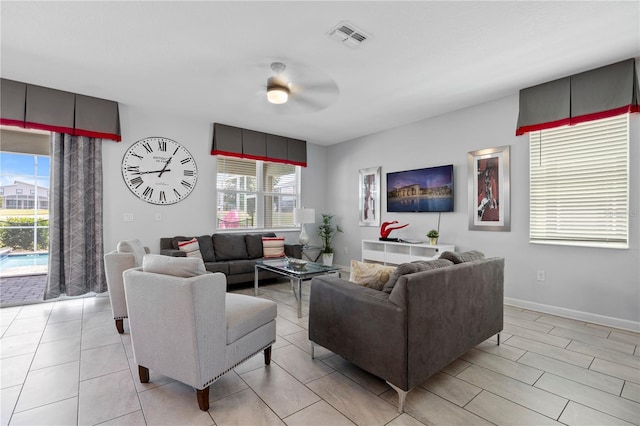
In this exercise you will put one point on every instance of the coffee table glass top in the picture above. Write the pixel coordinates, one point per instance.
(282, 266)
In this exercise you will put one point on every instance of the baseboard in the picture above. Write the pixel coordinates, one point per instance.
(579, 315)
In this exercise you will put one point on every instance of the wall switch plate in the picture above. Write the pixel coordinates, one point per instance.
(127, 217)
(158, 217)
(541, 275)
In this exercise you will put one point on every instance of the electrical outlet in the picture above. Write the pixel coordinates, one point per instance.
(127, 217)
(541, 275)
(158, 217)
(346, 250)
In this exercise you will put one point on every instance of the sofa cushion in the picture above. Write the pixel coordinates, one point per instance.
(229, 246)
(206, 248)
(185, 267)
(217, 267)
(191, 247)
(467, 256)
(241, 266)
(245, 314)
(273, 246)
(254, 244)
(372, 275)
(410, 268)
(132, 246)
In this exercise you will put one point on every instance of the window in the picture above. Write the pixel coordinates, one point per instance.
(579, 190)
(256, 194)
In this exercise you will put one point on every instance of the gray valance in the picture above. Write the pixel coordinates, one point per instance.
(591, 95)
(251, 144)
(36, 107)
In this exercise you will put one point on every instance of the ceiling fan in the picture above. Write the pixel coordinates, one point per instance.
(299, 88)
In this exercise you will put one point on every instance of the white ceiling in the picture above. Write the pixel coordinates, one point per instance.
(210, 60)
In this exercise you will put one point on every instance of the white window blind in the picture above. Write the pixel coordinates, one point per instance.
(255, 194)
(579, 192)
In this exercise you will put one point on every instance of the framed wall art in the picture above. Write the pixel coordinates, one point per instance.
(369, 196)
(489, 190)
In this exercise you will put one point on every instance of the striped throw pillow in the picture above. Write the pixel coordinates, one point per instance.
(191, 247)
(273, 246)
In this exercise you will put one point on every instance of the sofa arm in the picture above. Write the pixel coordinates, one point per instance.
(293, 250)
(173, 253)
(361, 325)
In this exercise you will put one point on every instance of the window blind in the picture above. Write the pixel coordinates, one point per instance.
(579, 192)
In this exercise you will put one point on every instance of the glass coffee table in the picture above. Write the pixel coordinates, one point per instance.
(296, 276)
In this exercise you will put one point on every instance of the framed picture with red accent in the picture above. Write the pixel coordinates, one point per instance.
(489, 190)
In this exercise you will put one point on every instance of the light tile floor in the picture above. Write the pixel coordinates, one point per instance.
(63, 363)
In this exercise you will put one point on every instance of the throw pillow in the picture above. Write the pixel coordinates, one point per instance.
(191, 247)
(467, 256)
(254, 245)
(184, 267)
(273, 246)
(132, 246)
(372, 275)
(410, 268)
(206, 248)
(176, 240)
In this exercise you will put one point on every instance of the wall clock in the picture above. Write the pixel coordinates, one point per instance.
(159, 170)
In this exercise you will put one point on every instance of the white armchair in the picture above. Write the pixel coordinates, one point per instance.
(128, 254)
(184, 324)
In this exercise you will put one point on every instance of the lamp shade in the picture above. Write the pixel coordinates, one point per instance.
(303, 215)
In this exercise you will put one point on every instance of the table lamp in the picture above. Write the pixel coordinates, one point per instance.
(300, 217)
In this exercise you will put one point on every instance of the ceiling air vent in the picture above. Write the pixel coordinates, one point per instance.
(348, 34)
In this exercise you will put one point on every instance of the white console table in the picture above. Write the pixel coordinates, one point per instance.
(395, 253)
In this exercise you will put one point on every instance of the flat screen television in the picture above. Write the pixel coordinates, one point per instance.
(421, 190)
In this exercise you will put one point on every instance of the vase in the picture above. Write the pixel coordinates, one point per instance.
(433, 241)
(327, 259)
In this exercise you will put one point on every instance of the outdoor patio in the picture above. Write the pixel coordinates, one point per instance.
(20, 290)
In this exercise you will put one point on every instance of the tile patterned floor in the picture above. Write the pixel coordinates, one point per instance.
(63, 363)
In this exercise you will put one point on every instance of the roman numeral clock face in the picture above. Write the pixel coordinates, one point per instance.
(159, 170)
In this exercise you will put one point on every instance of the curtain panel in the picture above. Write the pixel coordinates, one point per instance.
(36, 107)
(604, 92)
(75, 217)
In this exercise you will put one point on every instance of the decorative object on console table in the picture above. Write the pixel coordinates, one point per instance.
(489, 190)
(300, 217)
(327, 232)
(386, 229)
(433, 236)
(370, 196)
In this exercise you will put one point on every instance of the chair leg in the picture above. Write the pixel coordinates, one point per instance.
(203, 398)
(267, 356)
(402, 396)
(498, 337)
(120, 326)
(313, 350)
(143, 372)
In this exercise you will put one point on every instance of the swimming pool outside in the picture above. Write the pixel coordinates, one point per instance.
(24, 264)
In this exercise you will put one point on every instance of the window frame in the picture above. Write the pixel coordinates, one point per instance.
(260, 195)
(568, 211)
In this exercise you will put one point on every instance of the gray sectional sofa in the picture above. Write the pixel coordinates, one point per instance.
(234, 255)
(418, 326)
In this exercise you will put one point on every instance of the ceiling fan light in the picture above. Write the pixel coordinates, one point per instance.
(277, 93)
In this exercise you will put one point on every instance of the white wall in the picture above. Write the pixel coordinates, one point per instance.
(195, 215)
(599, 285)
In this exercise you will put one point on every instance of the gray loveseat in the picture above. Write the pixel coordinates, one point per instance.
(234, 255)
(426, 321)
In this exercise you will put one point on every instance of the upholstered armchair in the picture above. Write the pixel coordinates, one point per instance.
(127, 255)
(186, 326)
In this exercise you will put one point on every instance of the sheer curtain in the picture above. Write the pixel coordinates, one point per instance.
(75, 217)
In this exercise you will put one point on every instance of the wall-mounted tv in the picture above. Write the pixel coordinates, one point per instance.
(421, 190)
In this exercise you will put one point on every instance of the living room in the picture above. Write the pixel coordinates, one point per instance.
(594, 285)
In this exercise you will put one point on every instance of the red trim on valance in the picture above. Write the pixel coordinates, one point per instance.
(257, 157)
(48, 127)
(542, 126)
(628, 109)
(98, 135)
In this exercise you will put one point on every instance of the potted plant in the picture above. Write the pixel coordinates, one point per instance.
(327, 232)
(433, 237)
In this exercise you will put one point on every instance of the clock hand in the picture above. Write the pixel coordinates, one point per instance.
(164, 169)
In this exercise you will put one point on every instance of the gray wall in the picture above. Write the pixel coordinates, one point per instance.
(599, 285)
